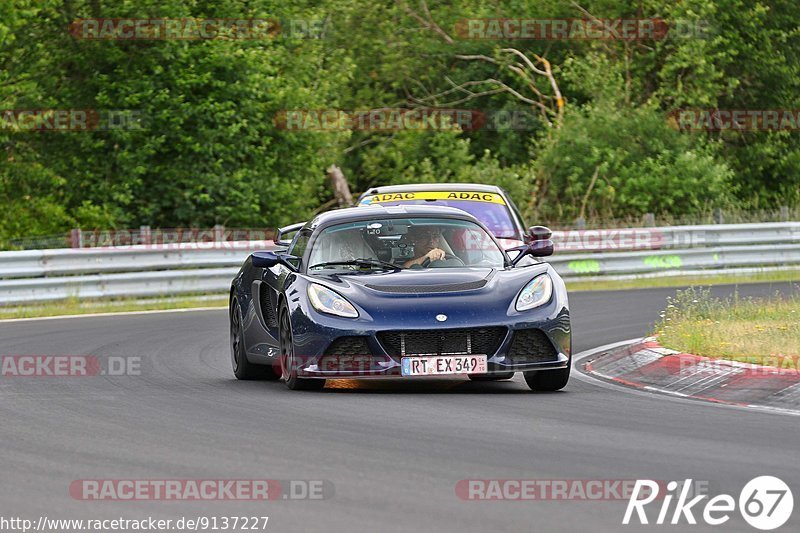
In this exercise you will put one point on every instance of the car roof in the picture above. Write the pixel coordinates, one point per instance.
(351, 214)
(424, 187)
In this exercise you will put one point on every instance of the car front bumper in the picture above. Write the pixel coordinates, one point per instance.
(369, 356)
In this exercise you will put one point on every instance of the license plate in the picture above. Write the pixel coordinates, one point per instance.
(442, 365)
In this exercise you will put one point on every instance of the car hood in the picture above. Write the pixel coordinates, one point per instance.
(468, 284)
(426, 281)
(468, 297)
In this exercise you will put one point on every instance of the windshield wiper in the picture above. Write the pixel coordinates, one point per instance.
(358, 262)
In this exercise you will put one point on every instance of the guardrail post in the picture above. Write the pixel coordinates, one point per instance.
(784, 213)
(719, 216)
(219, 233)
(649, 220)
(76, 238)
(145, 236)
(580, 223)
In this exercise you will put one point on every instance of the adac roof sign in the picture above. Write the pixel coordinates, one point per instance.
(471, 196)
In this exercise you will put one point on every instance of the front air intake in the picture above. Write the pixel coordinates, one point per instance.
(464, 341)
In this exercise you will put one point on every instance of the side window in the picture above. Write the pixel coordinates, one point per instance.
(299, 244)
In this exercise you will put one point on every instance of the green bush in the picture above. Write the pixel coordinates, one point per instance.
(614, 162)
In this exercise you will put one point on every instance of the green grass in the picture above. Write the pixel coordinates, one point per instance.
(684, 281)
(74, 306)
(763, 331)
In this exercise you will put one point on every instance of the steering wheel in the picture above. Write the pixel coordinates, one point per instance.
(447, 257)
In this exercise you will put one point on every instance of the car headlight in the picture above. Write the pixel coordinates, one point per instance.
(325, 300)
(537, 292)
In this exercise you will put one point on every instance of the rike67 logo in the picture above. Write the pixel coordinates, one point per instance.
(765, 502)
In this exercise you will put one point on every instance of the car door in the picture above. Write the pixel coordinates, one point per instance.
(266, 289)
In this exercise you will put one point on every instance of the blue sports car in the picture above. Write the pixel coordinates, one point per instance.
(399, 292)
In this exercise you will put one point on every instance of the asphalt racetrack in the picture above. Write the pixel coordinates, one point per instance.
(392, 452)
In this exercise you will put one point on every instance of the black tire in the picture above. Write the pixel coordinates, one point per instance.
(242, 368)
(287, 356)
(547, 380)
(491, 377)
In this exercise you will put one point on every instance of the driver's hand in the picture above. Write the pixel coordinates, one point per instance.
(437, 254)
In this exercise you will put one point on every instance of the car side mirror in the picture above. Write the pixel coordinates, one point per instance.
(264, 259)
(539, 244)
(538, 233)
(535, 249)
(541, 248)
(270, 259)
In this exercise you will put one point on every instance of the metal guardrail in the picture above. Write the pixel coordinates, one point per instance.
(139, 258)
(208, 267)
(127, 284)
(677, 237)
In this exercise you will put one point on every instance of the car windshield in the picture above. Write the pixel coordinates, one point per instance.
(495, 215)
(404, 243)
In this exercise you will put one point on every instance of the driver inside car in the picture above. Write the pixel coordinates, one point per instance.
(426, 241)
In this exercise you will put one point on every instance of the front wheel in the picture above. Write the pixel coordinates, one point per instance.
(289, 361)
(547, 380)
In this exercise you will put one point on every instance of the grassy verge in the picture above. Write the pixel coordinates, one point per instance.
(74, 306)
(749, 330)
(684, 281)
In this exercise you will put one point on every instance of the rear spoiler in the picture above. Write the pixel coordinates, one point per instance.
(280, 232)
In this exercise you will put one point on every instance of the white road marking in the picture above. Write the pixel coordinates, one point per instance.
(120, 313)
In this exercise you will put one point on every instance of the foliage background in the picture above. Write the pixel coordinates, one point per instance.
(210, 153)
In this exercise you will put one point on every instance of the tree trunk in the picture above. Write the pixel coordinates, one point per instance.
(341, 190)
